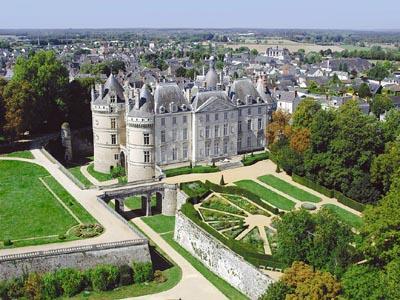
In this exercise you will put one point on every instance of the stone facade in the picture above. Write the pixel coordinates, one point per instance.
(84, 257)
(220, 259)
(141, 129)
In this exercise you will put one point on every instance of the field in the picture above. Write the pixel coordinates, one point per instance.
(29, 213)
(291, 45)
(266, 194)
(289, 189)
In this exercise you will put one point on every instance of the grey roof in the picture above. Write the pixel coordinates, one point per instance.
(146, 104)
(285, 96)
(243, 88)
(203, 97)
(167, 93)
(113, 85)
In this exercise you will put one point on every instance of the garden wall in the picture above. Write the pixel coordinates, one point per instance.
(220, 259)
(83, 257)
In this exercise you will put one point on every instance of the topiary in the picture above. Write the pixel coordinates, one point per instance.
(222, 181)
(142, 272)
(7, 243)
(125, 275)
(33, 286)
(104, 277)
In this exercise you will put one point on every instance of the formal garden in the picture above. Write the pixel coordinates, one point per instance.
(36, 209)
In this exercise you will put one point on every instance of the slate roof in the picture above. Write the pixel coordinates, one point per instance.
(166, 93)
(203, 97)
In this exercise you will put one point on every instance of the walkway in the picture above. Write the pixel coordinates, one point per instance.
(115, 229)
(193, 285)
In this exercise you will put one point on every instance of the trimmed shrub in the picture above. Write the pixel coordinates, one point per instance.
(104, 277)
(117, 171)
(312, 185)
(33, 286)
(253, 158)
(7, 243)
(71, 281)
(222, 181)
(62, 236)
(348, 201)
(51, 286)
(159, 276)
(190, 169)
(125, 275)
(15, 288)
(142, 272)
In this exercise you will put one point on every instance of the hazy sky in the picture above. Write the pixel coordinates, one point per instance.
(333, 14)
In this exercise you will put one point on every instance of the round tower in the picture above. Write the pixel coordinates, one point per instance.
(140, 137)
(66, 141)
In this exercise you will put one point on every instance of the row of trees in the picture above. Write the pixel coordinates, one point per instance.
(40, 97)
(375, 52)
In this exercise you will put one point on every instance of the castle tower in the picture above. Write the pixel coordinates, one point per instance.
(66, 141)
(109, 131)
(140, 137)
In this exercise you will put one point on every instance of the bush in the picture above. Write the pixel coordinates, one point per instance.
(88, 230)
(104, 277)
(51, 286)
(71, 281)
(190, 169)
(349, 202)
(253, 158)
(33, 286)
(222, 181)
(15, 288)
(142, 272)
(159, 277)
(125, 275)
(312, 185)
(62, 236)
(117, 171)
(7, 243)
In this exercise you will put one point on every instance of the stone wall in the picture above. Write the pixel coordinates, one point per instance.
(220, 259)
(180, 199)
(83, 257)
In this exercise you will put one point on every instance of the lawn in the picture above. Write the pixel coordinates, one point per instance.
(160, 223)
(266, 194)
(289, 189)
(346, 216)
(28, 209)
(99, 176)
(135, 202)
(246, 205)
(76, 171)
(21, 154)
(189, 170)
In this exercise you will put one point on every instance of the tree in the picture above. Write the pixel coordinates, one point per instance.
(378, 72)
(364, 91)
(3, 84)
(305, 112)
(300, 140)
(254, 52)
(219, 65)
(277, 291)
(181, 72)
(279, 127)
(381, 104)
(391, 125)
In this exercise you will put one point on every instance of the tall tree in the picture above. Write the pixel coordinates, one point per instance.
(305, 112)
(279, 127)
(381, 104)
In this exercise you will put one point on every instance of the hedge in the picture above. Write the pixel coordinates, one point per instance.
(189, 170)
(349, 202)
(251, 159)
(312, 185)
(235, 190)
(252, 257)
(195, 195)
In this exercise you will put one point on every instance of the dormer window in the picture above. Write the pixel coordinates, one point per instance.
(172, 107)
(183, 107)
(162, 109)
(112, 99)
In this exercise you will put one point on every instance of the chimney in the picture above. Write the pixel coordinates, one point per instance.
(137, 98)
(295, 94)
(92, 93)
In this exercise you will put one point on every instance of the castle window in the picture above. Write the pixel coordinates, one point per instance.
(225, 116)
(259, 123)
(112, 123)
(184, 120)
(174, 154)
(216, 148)
(162, 154)
(259, 110)
(185, 135)
(146, 156)
(162, 121)
(207, 132)
(111, 109)
(240, 126)
(185, 152)
(225, 129)
(225, 146)
(112, 99)
(240, 112)
(248, 141)
(207, 118)
(162, 136)
(248, 124)
(146, 137)
(207, 149)
(113, 139)
(174, 120)
(216, 117)
(116, 156)
(249, 111)
(216, 130)
(239, 143)
(174, 135)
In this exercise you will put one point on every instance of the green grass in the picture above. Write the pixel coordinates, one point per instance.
(172, 274)
(289, 189)
(194, 188)
(189, 170)
(21, 154)
(266, 194)
(160, 223)
(28, 209)
(253, 240)
(346, 216)
(135, 202)
(217, 203)
(76, 171)
(99, 176)
(225, 288)
(246, 205)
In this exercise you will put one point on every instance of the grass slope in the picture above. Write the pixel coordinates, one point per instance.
(266, 194)
(99, 176)
(76, 171)
(160, 223)
(289, 189)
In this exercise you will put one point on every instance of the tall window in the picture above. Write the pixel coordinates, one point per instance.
(207, 149)
(174, 154)
(185, 152)
(162, 121)
(239, 143)
(216, 130)
(249, 111)
(259, 110)
(216, 148)
(162, 136)
(225, 115)
(225, 129)
(240, 112)
(111, 109)
(240, 126)
(184, 119)
(112, 123)
(112, 99)
(146, 138)
(174, 135)
(173, 120)
(216, 117)
(207, 118)
(207, 132)
(259, 123)
(248, 124)
(113, 139)
(185, 135)
(248, 141)
(146, 156)
(162, 154)
(225, 146)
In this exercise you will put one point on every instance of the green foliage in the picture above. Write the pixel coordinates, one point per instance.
(364, 91)
(71, 281)
(378, 72)
(104, 277)
(142, 272)
(222, 181)
(189, 170)
(33, 286)
(348, 202)
(51, 286)
(381, 104)
(277, 291)
(305, 112)
(125, 275)
(118, 171)
(252, 159)
(105, 67)
(312, 185)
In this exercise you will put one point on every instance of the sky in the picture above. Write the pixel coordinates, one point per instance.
(305, 14)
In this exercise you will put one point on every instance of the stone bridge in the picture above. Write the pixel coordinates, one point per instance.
(166, 195)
